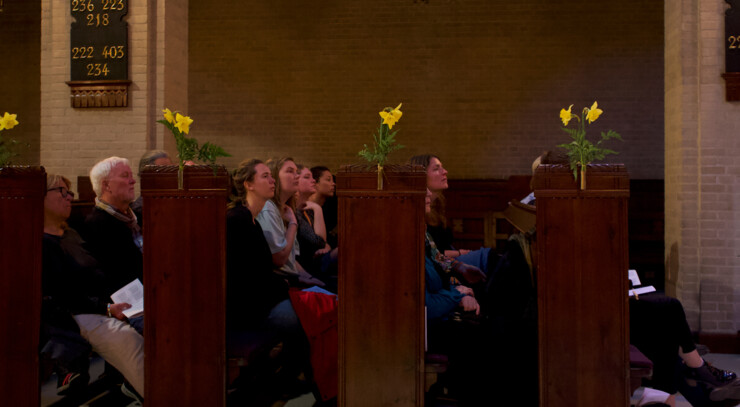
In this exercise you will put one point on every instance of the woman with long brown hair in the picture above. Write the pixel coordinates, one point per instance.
(279, 225)
(437, 228)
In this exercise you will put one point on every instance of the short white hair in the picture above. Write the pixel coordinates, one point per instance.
(101, 170)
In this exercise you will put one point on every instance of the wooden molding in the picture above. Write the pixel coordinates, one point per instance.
(85, 94)
(732, 86)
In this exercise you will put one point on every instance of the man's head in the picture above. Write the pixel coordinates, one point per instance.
(154, 157)
(113, 182)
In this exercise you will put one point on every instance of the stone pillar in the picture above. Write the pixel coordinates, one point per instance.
(702, 246)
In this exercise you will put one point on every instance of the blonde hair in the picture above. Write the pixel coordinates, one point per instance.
(275, 165)
(53, 179)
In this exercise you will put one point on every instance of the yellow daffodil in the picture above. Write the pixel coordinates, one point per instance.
(390, 117)
(183, 123)
(593, 113)
(168, 115)
(566, 115)
(8, 121)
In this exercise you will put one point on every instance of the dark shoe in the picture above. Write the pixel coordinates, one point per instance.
(722, 384)
(71, 382)
(129, 392)
(702, 349)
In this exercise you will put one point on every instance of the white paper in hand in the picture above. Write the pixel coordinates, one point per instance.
(132, 293)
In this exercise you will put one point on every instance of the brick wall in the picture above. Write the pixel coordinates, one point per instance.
(20, 44)
(482, 81)
(701, 147)
(75, 139)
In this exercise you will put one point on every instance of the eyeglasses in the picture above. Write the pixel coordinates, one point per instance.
(64, 191)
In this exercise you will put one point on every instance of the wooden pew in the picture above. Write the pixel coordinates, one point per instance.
(185, 285)
(381, 287)
(22, 191)
(583, 309)
(474, 209)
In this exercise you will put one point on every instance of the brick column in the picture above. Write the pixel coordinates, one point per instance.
(702, 167)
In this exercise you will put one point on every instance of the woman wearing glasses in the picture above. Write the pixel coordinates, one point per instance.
(73, 285)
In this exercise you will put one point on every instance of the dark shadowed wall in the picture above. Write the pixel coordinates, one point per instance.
(482, 81)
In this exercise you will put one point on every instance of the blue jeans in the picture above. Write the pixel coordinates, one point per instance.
(283, 319)
(477, 258)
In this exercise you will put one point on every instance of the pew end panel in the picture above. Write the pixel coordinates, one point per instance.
(22, 191)
(582, 286)
(185, 285)
(381, 287)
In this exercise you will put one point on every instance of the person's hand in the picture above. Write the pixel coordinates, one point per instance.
(116, 310)
(312, 206)
(470, 274)
(323, 251)
(465, 290)
(456, 253)
(470, 304)
(289, 215)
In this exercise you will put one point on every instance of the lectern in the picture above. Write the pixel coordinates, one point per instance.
(22, 192)
(185, 285)
(381, 286)
(582, 286)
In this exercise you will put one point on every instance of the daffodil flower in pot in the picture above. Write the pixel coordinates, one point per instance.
(188, 149)
(7, 151)
(384, 141)
(580, 150)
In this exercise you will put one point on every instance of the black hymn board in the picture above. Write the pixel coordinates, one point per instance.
(732, 51)
(99, 53)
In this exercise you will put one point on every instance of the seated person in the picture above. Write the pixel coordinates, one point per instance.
(437, 222)
(75, 287)
(250, 269)
(472, 338)
(151, 157)
(316, 256)
(658, 328)
(279, 225)
(326, 197)
(249, 261)
(111, 229)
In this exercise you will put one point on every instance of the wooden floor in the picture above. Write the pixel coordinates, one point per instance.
(49, 397)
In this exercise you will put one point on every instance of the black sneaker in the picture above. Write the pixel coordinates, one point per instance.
(723, 384)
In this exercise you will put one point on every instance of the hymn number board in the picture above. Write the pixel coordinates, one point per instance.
(99, 40)
(732, 37)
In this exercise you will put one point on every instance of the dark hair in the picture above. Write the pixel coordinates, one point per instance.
(150, 157)
(318, 171)
(436, 216)
(275, 165)
(245, 172)
(422, 159)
